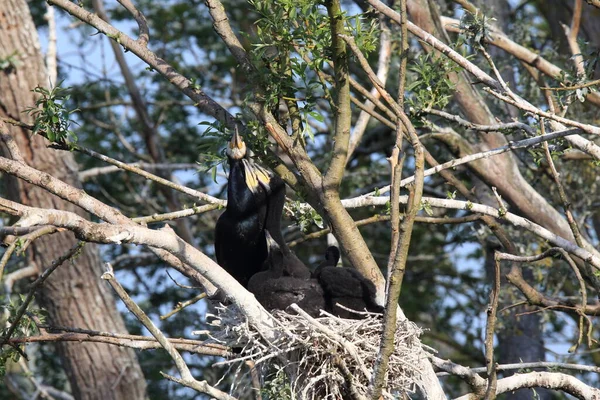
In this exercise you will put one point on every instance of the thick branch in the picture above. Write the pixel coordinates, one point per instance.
(342, 112)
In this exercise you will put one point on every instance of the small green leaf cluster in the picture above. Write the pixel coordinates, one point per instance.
(475, 29)
(52, 118)
(25, 327)
(284, 29)
(9, 62)
(539, 154)
(426, 206)
(212, 148)
(6, 355)
(365, 34)
(292, 44)
(277, 387)
(573, 79)
(304, 216)
(432, 87)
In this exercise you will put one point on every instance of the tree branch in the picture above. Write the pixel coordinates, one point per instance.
(130, 341)
(548, 380)
(486, 210)
(342, 112)
(38, 282)
(186, 376)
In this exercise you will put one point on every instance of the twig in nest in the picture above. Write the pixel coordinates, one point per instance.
(320, 354)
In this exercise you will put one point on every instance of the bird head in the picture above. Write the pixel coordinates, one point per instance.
(257, 178)
(236, 148)
(275, 259)
(332, 255)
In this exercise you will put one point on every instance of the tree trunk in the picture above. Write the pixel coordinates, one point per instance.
(73, 295)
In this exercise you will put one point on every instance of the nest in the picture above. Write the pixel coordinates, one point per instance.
(323, 358)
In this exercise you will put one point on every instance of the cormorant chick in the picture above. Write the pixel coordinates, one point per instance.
(345, 286)
(275, 188)
(276, 291)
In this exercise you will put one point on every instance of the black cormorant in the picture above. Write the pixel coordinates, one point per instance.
(240, 244)
(277, 291)
(345, 286)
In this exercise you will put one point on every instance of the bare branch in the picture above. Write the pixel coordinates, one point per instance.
(500, 40)
(341, 111)
(205, 103)
(572, 33)
(93, 172)
(23, 242)
(131, 341)
(186, 376)
(383, 65)
(180, 306)
(548, 380)
(51, 51)
(479, 127)
(525, 106)
(561, 191)
(132, 168)
(485, 154)
(406, 227)
(470, 376)
(523, 366)
(38, 282)
(140, 19)
(490, 393)
(521, 222)
(176, 214)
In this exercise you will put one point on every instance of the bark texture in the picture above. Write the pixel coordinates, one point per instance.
(74, 295)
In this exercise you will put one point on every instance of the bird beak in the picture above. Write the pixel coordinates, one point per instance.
(236, 141)
(236, 148)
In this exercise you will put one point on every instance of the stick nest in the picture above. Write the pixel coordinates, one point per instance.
(324, 358)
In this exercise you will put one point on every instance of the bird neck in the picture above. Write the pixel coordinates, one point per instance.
(240, 200)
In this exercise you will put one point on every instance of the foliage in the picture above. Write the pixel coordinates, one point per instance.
(475, 29)
(277, 386)
(52, 118)
(25, 327)
(304, 216)
(431, 87)
(9, 62)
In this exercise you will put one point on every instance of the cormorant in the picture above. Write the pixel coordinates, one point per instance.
(240, 244)
(275, 188)
(345, 286)
(276, 291)
(255, 200)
